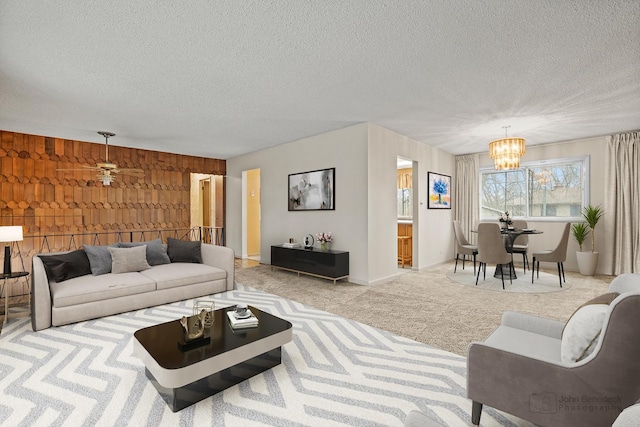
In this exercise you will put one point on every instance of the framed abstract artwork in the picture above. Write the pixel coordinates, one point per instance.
(312, 191)
(439, 191)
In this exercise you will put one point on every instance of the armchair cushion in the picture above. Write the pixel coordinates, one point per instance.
(525, 343)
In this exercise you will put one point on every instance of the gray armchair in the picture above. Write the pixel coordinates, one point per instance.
(518, 368)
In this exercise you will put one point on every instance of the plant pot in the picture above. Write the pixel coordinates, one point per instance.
(587, 262)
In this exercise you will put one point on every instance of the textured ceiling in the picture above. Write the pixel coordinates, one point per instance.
(223, 78)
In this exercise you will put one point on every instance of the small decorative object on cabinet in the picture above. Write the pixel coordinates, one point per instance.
(308, 241)
(324, 239)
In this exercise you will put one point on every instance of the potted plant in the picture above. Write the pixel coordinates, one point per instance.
(587, 261)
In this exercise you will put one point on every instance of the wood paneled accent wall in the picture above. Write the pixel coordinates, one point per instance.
(45, 201)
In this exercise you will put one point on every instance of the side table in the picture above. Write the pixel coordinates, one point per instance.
(5, 277)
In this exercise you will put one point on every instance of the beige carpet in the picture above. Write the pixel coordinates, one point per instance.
(544, 282)
(424, 305)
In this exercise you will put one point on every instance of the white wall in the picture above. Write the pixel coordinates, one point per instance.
(344, 149)
(432, 229)
(365, 219)
(596, 149)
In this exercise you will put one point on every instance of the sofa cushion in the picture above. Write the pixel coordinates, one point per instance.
(86, 289)
(183, 251)
(156, 252)
(61, 267)
(126, 260)
(179, 274)
(99, 258)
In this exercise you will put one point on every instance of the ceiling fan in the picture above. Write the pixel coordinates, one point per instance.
(107, 171)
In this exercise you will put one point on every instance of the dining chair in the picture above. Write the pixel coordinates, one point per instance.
(557, 255)
(521, 243)
(463, 247)
(491, 250)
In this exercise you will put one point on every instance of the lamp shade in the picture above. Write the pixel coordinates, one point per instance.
(506, 152)
(12, 233)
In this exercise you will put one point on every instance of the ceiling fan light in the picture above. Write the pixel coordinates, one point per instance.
(106, 178)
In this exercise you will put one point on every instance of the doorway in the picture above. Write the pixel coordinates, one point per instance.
(251, 214)
(207, 207)
(405, 228)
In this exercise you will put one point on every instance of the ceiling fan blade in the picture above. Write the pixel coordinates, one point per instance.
(82, 168)
(131, 172)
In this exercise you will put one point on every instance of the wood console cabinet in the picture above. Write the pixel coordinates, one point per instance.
(332, 265)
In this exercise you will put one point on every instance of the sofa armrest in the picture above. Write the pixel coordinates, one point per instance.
(530, 323)
(40, 296)
(221, 257)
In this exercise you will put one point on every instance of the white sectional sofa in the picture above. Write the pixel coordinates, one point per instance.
(91, 296)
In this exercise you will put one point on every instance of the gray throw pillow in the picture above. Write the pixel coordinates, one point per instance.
(156, 253)
(99, 258)
(127, 260)
(184, 251)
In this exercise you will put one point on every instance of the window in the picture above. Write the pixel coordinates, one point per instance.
(405, 203)
(538, 190)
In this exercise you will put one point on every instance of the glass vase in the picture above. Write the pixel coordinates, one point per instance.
(324, 247)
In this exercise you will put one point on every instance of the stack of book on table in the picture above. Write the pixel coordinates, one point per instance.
(291, 245)
(250, 321)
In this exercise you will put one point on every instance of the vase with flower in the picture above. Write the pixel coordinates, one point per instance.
(324, 239)
(505, 220)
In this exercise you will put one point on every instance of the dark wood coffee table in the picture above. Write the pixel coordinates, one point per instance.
(185, 377)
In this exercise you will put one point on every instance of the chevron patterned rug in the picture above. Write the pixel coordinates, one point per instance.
(335, 372)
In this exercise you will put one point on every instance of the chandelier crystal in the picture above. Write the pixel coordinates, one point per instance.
(506, 152)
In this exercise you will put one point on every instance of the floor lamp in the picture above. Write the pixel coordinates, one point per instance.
(8, 235)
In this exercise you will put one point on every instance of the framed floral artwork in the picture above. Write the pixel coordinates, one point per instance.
(439, 191)
(312, 191)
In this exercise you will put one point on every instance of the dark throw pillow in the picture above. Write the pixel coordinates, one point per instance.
(156, 253)
(66, 266)
(183, 251)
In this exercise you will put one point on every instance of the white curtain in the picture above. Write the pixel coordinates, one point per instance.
(466, 202)
(622, 201)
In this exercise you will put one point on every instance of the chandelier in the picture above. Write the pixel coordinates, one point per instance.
(506, 152)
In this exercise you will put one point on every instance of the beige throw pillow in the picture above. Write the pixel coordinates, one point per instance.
(126, 260)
